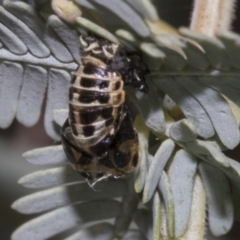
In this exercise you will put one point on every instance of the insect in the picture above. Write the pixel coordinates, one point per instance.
(98, 137)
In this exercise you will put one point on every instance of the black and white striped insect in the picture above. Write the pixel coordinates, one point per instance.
(98, 137)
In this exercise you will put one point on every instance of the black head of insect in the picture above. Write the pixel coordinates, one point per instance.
(132, 69)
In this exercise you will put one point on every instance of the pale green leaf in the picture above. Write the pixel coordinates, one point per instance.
(60, 116)
(214, 48)
(50, 177)
(218, 111)
(220, 205)
(46, 156)
(27, 36)
(182, 174)
(183, 131)
(166, 191)
(208, 152)
(11, 41)
(156, 216)
(188, 104)
(156, 168)
(127, 14)
(57, 98)
(32, 95)
(60, 196)
(10, 86)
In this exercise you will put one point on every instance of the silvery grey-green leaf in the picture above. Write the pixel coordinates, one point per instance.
(150, 108)
(59, 83)
(183, 131)
(53, 198)
(46, 156)
(127, 14)
(11, 41)
(231, 43)
(182, 174)
(31, 95)
(191, 108)
(143, 134)
(28, 15)
(27, 36)
(156, 216)
(214, 48)
(218, 111)
(166, 191)
(50, 177)
(68, 36)
(10, 85)
(156, 168)
(220, 205)
(60, 116)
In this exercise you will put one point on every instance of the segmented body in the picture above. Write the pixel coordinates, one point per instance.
(98, 137)
(96, 102)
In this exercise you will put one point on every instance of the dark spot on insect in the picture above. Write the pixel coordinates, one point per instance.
(89, 82)
(88, 116)
(91, 96)
(100, 148)
(109, 122)
(121, 159)
(91, 69)
(117, 85)
(106, 112)
(106, 162)
(103, 98)
(135, 160)
(104, 85)
(88, 131)
(84, 160)
(86, 98)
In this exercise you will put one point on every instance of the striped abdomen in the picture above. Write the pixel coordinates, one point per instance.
(95, 98)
